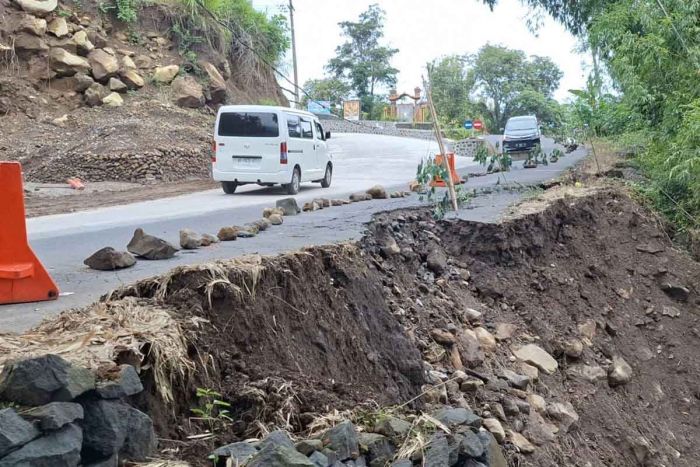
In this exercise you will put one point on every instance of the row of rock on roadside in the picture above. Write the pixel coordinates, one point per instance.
(81, 60)
(460, 440)
(59, 415)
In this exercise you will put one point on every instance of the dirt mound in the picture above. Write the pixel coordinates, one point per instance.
(583, 285)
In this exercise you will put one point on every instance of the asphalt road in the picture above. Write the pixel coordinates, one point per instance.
(360, 161)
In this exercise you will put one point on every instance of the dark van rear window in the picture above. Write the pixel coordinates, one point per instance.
(250, 124)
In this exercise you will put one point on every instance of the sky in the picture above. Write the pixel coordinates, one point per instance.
(423, 30)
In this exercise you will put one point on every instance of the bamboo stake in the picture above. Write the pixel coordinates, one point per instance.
(441, 144)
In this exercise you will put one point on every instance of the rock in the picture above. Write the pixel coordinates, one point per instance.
(145, 62)
(113, 99)
(310, 207)
(493, 456)
(82, 43)
(189, 239)
(520, 442)
(339, 202)
(437, 453)
(392, 427)
(104, 65)
(472, 385)
(538, 430)
(359, 196)
(486, 339)
(505, 331)
(262, 224)
(530, 371)
(288, 206)
(564, 413)
(162, 74)
(82, 82)
(457, 416)
(377, 192)
(343, 439)
(537, 402)
(239, 453)
(29, 43)
(470, 445)
(496, 429)
(402, 463)
(589, 373)
(279, 456)
(378, 448)
(267, 212)
(65, 63)
(132, 79)
(216, 84)
(276, 219)
(442, 337)
(44, 379)
(128, 63)
(538, 357)
(54, 415)
(57, 449)
(276, 438)
(32, 25)
(472, 315)
(619, 373)
(469, 349)
(319, 459)
(188, 92)
(670, 311)
(39, 8)
(437, 261)
(113, 427)
(308, 446)
(126, 383)
(516, 380)
(150, 247)
(116, 85)
(227, 234)
(14, 431)
(94, 94)
(58, 27)
(390, 247)
(572, 348)
(676, 291)
(208, 239)
(109, 259)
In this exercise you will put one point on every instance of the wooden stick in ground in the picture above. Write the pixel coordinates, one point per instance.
(441, 144)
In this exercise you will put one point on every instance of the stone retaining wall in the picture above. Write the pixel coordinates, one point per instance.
(466, 147)
(374, 128)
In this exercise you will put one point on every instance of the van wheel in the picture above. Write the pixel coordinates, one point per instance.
(326, 182)
(229, 187)
(293, 186)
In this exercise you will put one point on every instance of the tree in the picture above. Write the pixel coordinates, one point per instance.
(501, 75)
(325, 89)
(361, 61)
(451, 86)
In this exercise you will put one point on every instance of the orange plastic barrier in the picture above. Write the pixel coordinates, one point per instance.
(437, 181)
(22, 276)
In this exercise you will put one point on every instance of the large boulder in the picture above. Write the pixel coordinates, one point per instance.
(113, 427)
(132, 79)
(288, 206)
(38, 7)
(113, 99)
(343, 440)
(124, 382)
(32, 25)
(104, 65)
(94, 94)
(188, 92)
(279, 456)
(116, 85)
(239, 452)
(14, 431)
(377, 192)
(58, 27)
(40, 380)
(65, 63)
(228, 234)
(189, 239)
(25, 42)
(82, 43)
(535, 355)
(55, 415)
(58, 449)
(150, 247)
(162, 74)
(216, 84)
(109, 259)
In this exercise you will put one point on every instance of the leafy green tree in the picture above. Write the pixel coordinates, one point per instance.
(361, 61)
(451, 86)
(501, 75)
(326, 89)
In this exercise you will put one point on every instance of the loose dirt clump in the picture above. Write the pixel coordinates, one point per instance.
(580, 283)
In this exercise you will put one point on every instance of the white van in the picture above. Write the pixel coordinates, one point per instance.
(268, 146)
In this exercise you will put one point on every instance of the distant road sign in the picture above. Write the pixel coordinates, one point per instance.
(351, 110)
(478, 125)
(468, 125)
(319, 107)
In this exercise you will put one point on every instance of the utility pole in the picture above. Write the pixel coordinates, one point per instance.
(294, 54)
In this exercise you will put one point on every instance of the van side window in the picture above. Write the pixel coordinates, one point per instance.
(319, 132)
(306, 129)
(293, 126)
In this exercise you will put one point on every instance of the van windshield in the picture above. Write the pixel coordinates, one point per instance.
(249, 124)
(521, 124)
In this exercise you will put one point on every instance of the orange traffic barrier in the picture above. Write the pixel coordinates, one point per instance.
(22, 276)
(437, 181)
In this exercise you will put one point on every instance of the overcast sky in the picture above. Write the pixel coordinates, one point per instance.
(423, 30)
